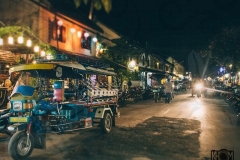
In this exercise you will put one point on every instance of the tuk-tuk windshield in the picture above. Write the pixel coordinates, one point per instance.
(26, 83)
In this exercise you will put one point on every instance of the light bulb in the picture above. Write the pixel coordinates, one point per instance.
(1, 41)
(10, 40)
(20, 40)
(36, 49)
(29, 43)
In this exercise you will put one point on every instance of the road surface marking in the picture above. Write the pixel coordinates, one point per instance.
(166, 111)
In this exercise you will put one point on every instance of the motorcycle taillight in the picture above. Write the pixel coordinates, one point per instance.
(20, 113)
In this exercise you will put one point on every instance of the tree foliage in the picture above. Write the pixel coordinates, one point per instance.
(122, 51)
(16, 31)
(224, 48)
(97, 4)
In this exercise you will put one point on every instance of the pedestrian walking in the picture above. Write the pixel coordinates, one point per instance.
(168, 90)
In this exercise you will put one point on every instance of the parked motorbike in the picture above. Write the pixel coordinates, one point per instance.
(4, 123)
(3, 97)
(122, 101)
(131, 95)
(158, 93)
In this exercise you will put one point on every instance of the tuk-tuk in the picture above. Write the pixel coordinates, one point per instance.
(47, 98)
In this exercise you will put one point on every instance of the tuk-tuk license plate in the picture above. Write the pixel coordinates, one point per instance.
(18, 119)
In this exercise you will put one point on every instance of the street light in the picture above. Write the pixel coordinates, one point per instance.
(230, 66)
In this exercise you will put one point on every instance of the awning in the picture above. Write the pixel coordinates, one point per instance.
(100, 71)
(75, 65)
(154, 71)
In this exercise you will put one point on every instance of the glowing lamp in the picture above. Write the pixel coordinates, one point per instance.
(43, 53)
(49, 57)
(29, 43)
(60, 23)
(1, 41)
(94, 39)
(79, 34)
(20, 40)
(132, 65)
(72, 30)
(86, 34)
(10, 40)
(36, 49)
(221, 69)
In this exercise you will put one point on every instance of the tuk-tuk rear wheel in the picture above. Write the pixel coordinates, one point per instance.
(106, 122)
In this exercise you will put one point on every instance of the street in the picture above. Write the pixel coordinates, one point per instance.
(187, 128)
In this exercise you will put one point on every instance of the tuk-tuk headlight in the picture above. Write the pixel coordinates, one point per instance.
(28, 105)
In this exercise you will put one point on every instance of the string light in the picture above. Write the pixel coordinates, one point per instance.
(20, 40)
(10, 40)
(94, 39)
(86, 34)
(29, 43)
(1, 41)
(49, 57)
(36, 49)
(43, 53)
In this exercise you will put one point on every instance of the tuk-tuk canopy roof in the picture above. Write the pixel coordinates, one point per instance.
(52, 65)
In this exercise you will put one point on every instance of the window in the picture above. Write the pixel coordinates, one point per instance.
(61, 33)
(86, 41)
(166, 68)
(57, 32)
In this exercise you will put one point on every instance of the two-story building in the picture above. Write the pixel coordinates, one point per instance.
(39, 30)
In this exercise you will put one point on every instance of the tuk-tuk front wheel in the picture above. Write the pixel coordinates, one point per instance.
(106, 123)
(20, 147)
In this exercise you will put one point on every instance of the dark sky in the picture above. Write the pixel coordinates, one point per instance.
(172, 27)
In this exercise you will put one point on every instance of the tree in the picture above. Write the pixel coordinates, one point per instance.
(224, 48)
(97, 4)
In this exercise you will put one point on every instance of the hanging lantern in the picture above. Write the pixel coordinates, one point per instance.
(86, 34)
(43, 53)
(20, 40)
(29, 43)
(1, 41)
(60, 23)
(49, 57)
(94, 39)
(10, 40)
(36, 48)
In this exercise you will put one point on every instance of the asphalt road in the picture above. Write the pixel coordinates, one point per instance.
(187, 128)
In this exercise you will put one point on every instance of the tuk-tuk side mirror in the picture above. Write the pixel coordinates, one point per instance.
(59, 72)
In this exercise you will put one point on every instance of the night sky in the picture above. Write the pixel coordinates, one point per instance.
(171, 27)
